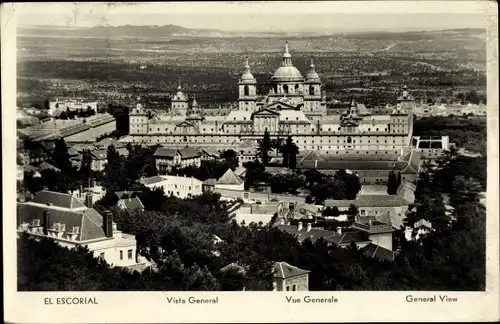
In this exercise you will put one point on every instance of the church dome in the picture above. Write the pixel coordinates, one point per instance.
(287, 72)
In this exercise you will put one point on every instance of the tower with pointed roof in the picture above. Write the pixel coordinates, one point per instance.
(247, 90)
(180, 102)
(314, 102)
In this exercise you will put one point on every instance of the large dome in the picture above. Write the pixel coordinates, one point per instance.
(287, 73)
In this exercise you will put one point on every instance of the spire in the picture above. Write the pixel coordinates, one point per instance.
(247, 65)
(287, 58)
(179, 87)
(312, 64)
(195, 104)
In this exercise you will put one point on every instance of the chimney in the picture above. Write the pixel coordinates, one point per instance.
(299, 227)
(107, 223)
(309, 226)
(88, 200)
(45, 222)
(339, 230)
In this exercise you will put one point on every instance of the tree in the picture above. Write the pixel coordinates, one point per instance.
(231, 158)
(392, 183)
(290, 151)
(264, 146)
(112, 155)
(353, 210)
(110, 199)
(61, 155)
(464, 190)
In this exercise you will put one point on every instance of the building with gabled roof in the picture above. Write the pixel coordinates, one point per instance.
(64, 219)
(378, 252)
(130, 203)
(47, 166)
(166, 158)
(287, 277)
(230, 181)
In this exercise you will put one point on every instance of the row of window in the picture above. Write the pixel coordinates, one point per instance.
(130, 256)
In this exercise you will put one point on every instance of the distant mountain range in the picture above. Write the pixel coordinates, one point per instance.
(174, 30)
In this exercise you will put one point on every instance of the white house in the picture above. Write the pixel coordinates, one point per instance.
(71, 223)
(181, 187)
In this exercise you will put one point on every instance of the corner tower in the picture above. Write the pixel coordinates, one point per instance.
(313, 98)
(247, 90)
(180, 102)
(138, 119)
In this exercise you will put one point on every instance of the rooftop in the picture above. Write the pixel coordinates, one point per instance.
(283, 270)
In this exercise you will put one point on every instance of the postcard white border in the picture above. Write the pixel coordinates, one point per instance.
(135, 307)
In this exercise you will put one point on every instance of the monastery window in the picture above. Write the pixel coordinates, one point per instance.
(349, 140)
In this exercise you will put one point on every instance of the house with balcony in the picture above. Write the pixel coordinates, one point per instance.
(166, 158)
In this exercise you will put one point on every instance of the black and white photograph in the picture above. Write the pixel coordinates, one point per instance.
(286, 151)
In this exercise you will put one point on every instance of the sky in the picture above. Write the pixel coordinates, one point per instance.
(260, 16)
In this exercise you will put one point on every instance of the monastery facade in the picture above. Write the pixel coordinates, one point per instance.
(295, 106)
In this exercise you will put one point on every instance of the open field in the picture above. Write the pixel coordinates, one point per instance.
(106, 65)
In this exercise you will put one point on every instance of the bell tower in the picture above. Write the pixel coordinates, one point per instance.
(180, 102)
(247, 100)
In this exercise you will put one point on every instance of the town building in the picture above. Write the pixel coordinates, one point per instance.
(130, 203)
(230, 181)
(94, 193)
(420, 228)
(362, 233)
(208, 154)
(62, 104)
(389, 209)
(180, 187)
(289, 278)
(78, 130)
(71, 223)
(431, 147)
(166, 158)
(247, 213)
